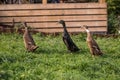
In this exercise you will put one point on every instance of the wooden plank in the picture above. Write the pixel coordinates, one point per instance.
(49, 25)
(53, 12)
(71, 30)
(54, 18)
(56, 30)
(52, 6)
(68, 24)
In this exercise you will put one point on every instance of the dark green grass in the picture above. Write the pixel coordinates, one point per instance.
(52, 61)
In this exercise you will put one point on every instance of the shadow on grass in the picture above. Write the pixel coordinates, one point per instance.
(54, 51)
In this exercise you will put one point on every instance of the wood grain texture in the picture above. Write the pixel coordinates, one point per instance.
(54, 18)
(53, 6)
(44, 17)
(55, 30)
(53, 12)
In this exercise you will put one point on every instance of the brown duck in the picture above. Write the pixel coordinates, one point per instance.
(67, 39)
(28, 40)
(92, 44)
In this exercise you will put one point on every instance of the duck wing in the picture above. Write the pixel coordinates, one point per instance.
(96, 49)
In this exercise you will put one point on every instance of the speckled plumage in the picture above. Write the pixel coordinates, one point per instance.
(28, 40)
(92, 44)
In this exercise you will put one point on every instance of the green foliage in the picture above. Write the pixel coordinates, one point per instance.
(52, 61)
(113, 24)
(114, 6)
(113, 13)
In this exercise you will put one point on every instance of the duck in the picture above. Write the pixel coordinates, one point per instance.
(67, 39)
(92, 44)
(28, 40)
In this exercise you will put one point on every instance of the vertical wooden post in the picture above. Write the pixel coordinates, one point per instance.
(102, 1)
(61, 1)
(44, 1)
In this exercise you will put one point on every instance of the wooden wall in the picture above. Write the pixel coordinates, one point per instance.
(44, 17)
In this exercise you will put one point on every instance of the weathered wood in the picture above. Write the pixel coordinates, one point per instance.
(53, 6)
(44, 1)
(44, 17)
(68, 24)
(55, 18)
(102, 1)
(21, 13)
(61, 1)
(55, 30)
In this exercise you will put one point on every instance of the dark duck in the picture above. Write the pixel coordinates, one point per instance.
(92, 44)
(28, 40)
(67, 39)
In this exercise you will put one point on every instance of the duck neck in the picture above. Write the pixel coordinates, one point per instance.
(88, 33)
(26, 29)
(64, 26)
